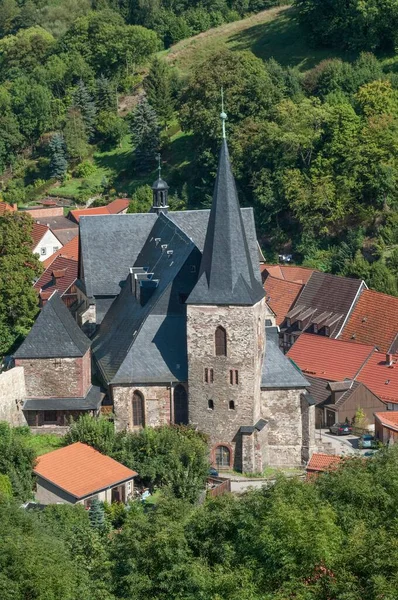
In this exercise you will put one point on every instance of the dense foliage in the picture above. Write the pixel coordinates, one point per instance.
(16, 463)
(332, 537)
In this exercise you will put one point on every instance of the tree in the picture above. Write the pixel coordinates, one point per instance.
(98, 433)
(16, 462)
(97, 515)
(84, 102)
(106, 95)
(18, 269)
(145, 132)
(141, 200)
(111, 127)
(9, 12)
(58, 162)
(5, 487)
(157, 86)
(75, 135)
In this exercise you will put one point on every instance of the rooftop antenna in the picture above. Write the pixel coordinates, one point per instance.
(159, 158)
(223, 114)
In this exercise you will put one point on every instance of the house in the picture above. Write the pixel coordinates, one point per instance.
(60, 276)
(374, 320)
(70, 250)
(319, 463)
(56, 357)
(290, 273)
(78, 474)
(280, 296)
(323, 307)
(63, 228)
(386, 427)
(44, 212)
(4, 207)
(117, 207)
(44, 243)
(337, 361)
(336, 401)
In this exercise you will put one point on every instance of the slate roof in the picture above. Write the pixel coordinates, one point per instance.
(54, 334)
(328, 359)
(70, 250)
(66, 271)
(146, 342)
(278, 371)
(322, 462)
(92, 401)
(226, 273)
(292, 273)
(280, 296)
(110, 244)
(80, 470)
(321, 390)
(327, 295)
(374, 320)
(64, 229)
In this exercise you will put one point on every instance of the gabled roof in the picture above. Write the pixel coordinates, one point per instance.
(59, 276)
(381, 378)
(323, 462)
(280, 296)
(64, 229)
(7, 207)
(329, 294)
(55, 334)
(291, 273)
(226, 273)
(278, 371)
(374, 320)
(329, 359)
(80, 470)
(114, 208)
(38, 232)
(388, 419)
(118, 205)
(70, 250)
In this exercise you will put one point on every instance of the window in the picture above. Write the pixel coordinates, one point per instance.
(138, 409)
(233, 377)
(50, 416)
(221, 341)
(315, 328)
(55, 248)
(300, 325)
(43, 251)
(180, 405)
(193, 269)
(231, 405)
(223, 457)
(88, 501)
(209, 376)
(268, 323)
(288, 322)
(210, 404)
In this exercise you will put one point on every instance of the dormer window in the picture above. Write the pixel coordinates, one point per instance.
(315, 328)
(300, 325)
(288, 322)
(327, 331)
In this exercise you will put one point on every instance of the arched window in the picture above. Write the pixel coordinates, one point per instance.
(180, 405)
(231, 405)
(210, 404)
(223, 457)
(138, 409)
(221, 341)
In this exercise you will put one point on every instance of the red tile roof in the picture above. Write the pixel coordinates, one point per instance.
(381, 378)
(374, 320)
(65, 269)
(388, 419)
(289, 273)
(80, 470)
(329, 359)
(281, 295)
(38, 232)
(118, 206)
(70, 250)
(7, 207)
(322, 462)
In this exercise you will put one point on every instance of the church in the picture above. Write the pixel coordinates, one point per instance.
(180, 331)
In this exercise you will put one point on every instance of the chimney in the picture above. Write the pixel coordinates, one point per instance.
(58, 274)
(389, 358)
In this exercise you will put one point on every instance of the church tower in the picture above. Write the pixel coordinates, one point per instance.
(225, 332)
(160, 192)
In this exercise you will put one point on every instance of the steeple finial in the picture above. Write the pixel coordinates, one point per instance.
(223, 115)
(158, 156)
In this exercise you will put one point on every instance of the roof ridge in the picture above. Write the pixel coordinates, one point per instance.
(365, 361)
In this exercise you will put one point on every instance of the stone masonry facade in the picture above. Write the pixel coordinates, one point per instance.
(157, 405)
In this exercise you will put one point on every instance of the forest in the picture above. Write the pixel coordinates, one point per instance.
(314, 148)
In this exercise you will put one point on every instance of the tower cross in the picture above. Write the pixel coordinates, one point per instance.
(158, 156)
(223, 114)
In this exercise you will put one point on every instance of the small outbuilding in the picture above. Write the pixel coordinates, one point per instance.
(78, 474)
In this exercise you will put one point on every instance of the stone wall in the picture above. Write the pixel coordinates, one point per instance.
(42, 213)
(57, 377)
(12, 396)
(245, 347)
(282, 410)
(157, 405)
(308, 425)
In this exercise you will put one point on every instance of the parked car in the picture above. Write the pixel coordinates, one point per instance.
(340, 429)
(367, 441)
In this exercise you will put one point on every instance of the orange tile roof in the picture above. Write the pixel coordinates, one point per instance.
(80, 470)
(118, 206)
(322, 462)
(38, 231)
(381, 378)
(327, 358)
(280, 296)
(388, 419)
(374, 320)
(7, 207)
(88, 212)
(290, 273)
(70, 250)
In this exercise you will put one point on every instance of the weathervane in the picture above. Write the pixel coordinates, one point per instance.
(223, 114)
(158, 156)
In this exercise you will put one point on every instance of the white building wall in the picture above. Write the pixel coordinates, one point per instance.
(47, 246)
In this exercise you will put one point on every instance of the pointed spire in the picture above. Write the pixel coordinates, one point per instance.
(226, 273)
